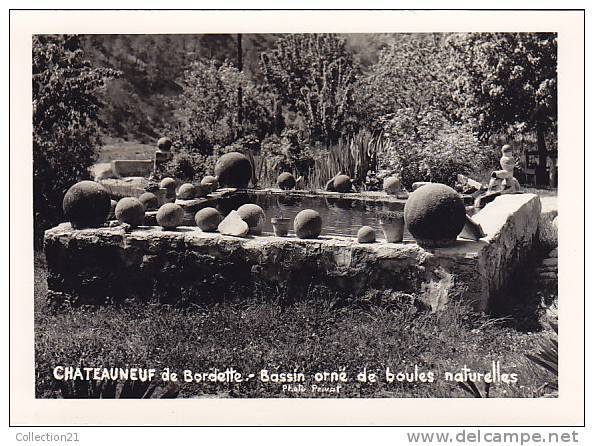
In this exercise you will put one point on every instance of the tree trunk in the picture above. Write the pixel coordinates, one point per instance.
(541, 169)
(239, 92)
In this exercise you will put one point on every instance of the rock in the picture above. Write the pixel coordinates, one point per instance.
(366, 235)
(392, 185)
(170, 216)
(435, 214)
(164, 144)
(286, 181)
(254, 216)
(550, 261)
(233, 170)
(170, 185)
(112, 209)
(343, 184)
(208, 219)
(186, 191)
(554, 253)
(233, 225)
(210, 183)
(472, 230)
(149, 201)
(308, 224)
(130, 210)
(86, 205)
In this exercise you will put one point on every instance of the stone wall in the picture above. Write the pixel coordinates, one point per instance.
(105, 265)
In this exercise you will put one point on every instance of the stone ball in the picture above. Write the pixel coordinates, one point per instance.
(169, 184)
(210, 183)
(233, 170)
(170, 215)
(308, 224)
(208, 219)
(391, 185)
(149, 201)
(366, 235)
(131, 211)
(342, 183)
(286, 180)
(435, 215)
(254, 216)
(86, 204)
(186, 191)
(112, 209)
(164, 144)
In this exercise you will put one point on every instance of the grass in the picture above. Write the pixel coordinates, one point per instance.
(125, 150)
(321, 333)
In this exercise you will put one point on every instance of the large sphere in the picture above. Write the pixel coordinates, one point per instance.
(149, 201)
(164, 144)
(170, 215)
(86, 204)
(435, 215)
(131, 211)
(286, 181)
(186, 191)
(342, 183)
(308, 224)
(366, 235)
(208, 219)
(169, 184)
(254, 216)
(210, 183)
(233, 170)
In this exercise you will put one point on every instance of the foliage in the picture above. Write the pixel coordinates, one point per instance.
(65, 122)
(313, 74)
(547, 358)
(427, 147)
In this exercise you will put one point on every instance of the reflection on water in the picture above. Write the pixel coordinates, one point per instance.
(340, 217)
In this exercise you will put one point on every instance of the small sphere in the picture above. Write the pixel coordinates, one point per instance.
(366, 235)
(391, 185)
(208, 219)
(435, 215)
(210, 183)
(164, 144)
(254, 216)
(169, 184)
(286, 181)
(170, 215)
(233, 169)
(186, 191)
(342, 183)
(86, 204)
(149, 201)
(131, 211)
(308, 224)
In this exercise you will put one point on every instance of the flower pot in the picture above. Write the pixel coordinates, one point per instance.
(393, 229)
(280, 226)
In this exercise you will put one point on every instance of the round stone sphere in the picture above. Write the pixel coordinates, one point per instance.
(112, 209)
(208, 219)
(366, 235)
(435, 215)
(131, 211)
(186, 191)
(391, 185)
(170, 215)
(86, 205)
(169, 184)
(210, 183)
(149, 201)
(286, 180)
(308, 224)
(164, 144)
(254, 216)
(233, 170)
(342, 183)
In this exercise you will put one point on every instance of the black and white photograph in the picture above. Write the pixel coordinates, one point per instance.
(297, 215)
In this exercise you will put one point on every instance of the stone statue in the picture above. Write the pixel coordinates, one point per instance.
(162, 156)
(503, 180)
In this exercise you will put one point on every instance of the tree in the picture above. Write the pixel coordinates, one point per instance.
(507, 81)
(314, 75)
(65, 121)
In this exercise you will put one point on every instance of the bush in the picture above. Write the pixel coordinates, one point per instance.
(427, 147)
(65, 122)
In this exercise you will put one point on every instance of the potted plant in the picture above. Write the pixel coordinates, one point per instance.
(392, 223)
(280, 225)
